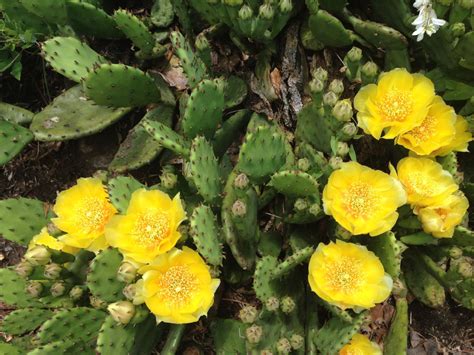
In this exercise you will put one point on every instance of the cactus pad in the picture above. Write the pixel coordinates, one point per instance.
(120, 85)
(15, 114)
(115, 338)
(167, 137)
(10, 349)
(263, 284)
(21, 219)
(294, 183)
(395, 341)
(71, 57)
(262, 154)
(203, 112)
(13, 138)
(205, 234)
(205, 170)
(121, 189)
(71, 115)
(224, 335)
(24, 320)
(135, 30)
(64, 347)
(235, 91)
(12, 290)
(229, 131)
(102, 278)
(51, 11)
(389, 250)
(329, 30)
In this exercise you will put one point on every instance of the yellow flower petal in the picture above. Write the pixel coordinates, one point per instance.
(360, 345)
(461, 139)
(45, 239)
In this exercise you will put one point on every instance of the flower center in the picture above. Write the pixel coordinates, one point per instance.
(151, 228)
(396, 105)
(94, 213)
(177, 284)
(417, 184)
(344, 274)
(359, 200)
(442, 213)
(424, 131)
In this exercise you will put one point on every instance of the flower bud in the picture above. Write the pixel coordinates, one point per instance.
(57, 289)
(24, 268)
(248, 314)
(296, 341)
(329, 99)
(52, 271)
(239, 209)
(126, 272)
(287, 305)
(466, 4)
(303, 164)
(283, 346)
(34, 288)
(286, 6)
(315, 209)
(38, 255)
(266, 352)
(455, 252)
(254, 334)
(76, 293)
(369, 72)
(458, 29)
(316, 86)
(320, 73)
(201, 42)
(97, 303)
(121, 311)
(342, 149)
(349, 129)
(464, 268)
(301, 204)
(266, 12)
(355, 54)
(337, 87)
(342, 110)
(241, 181)
(245, 12)
(272, 304)
(335, 162)
(130, 291)
(168, 180)
(342, 233)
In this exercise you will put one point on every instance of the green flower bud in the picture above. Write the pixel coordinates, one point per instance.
(349, 129)
(342, 149)
(76, 293)
(287, 305)
(316, 86)
(239, 209)
(241, 181)
(301, 204)
(34, 288)
(315, 209)
(369, 72)
(342, 110)
(335, 162)
(130, 291)
(266, 352)
(245, 12)
(458, 29)
(329, 99)
(24, 268)
(455, 252)
(464, 268)
(121, 311)
(38, 255)
(303, 164)
(355, 54)
(168, 180)
(126, 272)
(97, 303)
(248, 314)
(201, 42)
(283, 346)
(337, 87)
(272, 304)
(254, 334)
(320, 73)
(52, 271)
(296, 341)
(266, 12)
(467, 4)
(286, 6)
(58, 289)
(342, 233)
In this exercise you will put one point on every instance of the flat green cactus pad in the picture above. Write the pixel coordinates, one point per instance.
(205, 234)
(389, 250)
(294, 183)
(224, 335)
(71, 115)
(135, 30)
(24, 19)
(51, 11)
(21, 219)
(167, 137)
(13, 138)
(24, 320)
(262, 154)
(235, 91)
(329, 30)
(15, 114)
(90, 20)
(121, 189)
(119, 85)
(205, 170)
(139, 148)
(12, 290)
(10, 349)
(71, 57)
(102, 278)
(203, 112)
(263, 284)
(395, 341)
(69, 347)
(115, 338)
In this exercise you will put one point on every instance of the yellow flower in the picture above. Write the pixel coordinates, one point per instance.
(82, 212)
(437, 130)
(45, 239)
(348, 275)
(424, 180)
(363, 200)
(361, 345)
(440, 219)
(397, 104)
(177, 287)
(461, 139)
(149, 228)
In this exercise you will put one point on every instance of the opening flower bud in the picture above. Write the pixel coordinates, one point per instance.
(342, 110)
(130, 291)
(283, 346)
(38, 255)
(122, 311)
(287, 305)
(329, 99)
(349, 129)
(52, 271)
(34, 288)
(24, 269)
(58, 289)
(248, 314)
(254, 334)
(272, 304)
(126, 272)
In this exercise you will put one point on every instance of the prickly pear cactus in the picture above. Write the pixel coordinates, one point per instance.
(13, 139)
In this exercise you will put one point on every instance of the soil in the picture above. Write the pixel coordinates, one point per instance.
(43, 169)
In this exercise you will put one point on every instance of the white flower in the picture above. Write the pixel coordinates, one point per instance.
(427, 21)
